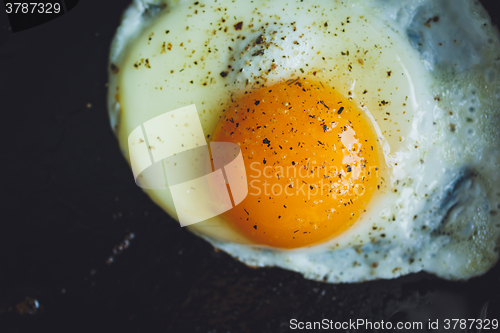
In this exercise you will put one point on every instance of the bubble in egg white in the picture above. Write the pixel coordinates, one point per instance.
(471, 131)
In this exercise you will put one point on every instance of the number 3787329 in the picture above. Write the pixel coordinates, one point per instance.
(480, 324)
(32, 8)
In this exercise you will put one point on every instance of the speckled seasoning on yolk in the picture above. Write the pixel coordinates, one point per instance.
(311, 159)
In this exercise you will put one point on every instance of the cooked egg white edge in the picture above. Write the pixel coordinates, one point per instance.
(405, 166)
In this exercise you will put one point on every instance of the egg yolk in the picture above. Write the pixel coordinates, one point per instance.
(311, 162)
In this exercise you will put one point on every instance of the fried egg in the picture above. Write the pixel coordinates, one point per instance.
(369, 129)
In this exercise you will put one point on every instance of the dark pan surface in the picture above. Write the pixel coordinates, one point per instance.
(69, 199)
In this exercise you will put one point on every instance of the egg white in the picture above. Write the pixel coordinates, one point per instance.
(435, 208)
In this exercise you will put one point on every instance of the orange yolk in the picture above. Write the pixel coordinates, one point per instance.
(311, 161)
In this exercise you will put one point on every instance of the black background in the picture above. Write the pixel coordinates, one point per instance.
(69, 199)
